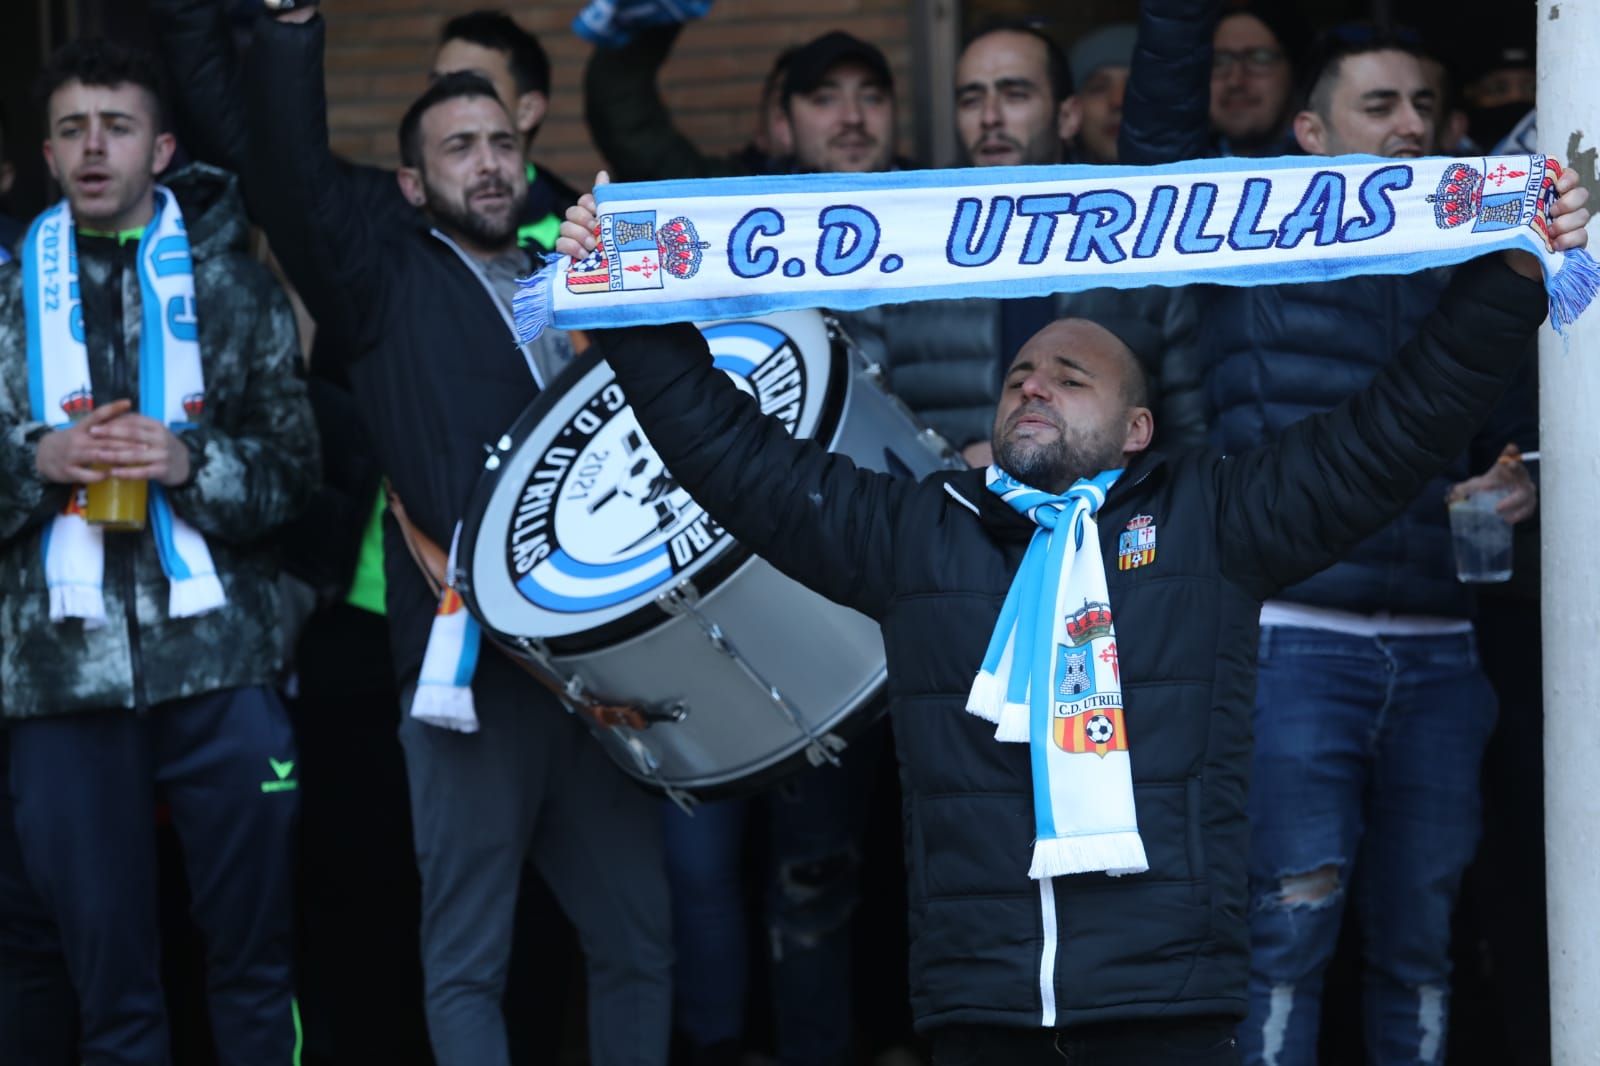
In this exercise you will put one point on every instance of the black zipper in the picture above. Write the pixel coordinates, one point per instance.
(124, 548)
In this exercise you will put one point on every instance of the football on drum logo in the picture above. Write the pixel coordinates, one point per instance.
(600, 520)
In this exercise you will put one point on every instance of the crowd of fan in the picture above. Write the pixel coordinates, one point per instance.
(1374, 710)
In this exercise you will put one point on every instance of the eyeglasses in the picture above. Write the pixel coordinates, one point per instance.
(1256, 60)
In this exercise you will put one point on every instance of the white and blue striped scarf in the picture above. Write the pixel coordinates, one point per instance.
(1051, 680)
(708, 249)
(171, 391)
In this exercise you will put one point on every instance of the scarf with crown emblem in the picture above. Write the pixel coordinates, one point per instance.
(171, 391)
(1051, 680)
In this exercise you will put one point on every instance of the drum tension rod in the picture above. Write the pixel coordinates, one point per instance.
(575, 697)
(684, 599)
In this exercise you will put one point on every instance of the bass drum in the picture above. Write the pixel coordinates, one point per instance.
(581, 553)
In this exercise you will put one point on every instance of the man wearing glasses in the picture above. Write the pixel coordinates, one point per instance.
(1255, 52)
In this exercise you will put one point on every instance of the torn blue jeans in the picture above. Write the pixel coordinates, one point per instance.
(1364, 786)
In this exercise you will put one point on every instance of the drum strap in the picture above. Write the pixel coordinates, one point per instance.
(432, 560)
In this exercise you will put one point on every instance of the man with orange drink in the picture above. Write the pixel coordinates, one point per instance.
(155, 434)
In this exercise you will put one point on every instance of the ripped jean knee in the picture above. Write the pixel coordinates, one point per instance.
(1318, 888)
(1294, 922)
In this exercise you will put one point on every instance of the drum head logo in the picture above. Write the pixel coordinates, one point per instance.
(600, 520)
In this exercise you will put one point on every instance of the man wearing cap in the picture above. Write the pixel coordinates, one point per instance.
(1497, 85)
(839, 98)
(834, 113)
(1100, 62)
(1015, 106)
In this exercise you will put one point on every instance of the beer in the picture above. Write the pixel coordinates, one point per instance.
(117, 504)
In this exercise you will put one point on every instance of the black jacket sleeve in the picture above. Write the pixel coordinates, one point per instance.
(1288, 509)
(196, 44)
(1166, 112)
(813, 515)
(630, 122)
(317, 217)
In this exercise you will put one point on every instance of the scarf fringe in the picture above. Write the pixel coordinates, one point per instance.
(78, 601)
(531, 306)
(1573, 286)
(984, 699)
(1014, 727)
(1114, 853)
(195, 595)
(445, 706)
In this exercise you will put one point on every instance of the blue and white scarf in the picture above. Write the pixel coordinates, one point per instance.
(1051, 680)
(171, 391)
(444, 685)
(612, 23)
(701, 250)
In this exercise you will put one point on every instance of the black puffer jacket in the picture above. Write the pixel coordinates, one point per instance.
(932, 561)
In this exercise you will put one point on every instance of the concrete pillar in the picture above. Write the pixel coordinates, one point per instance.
(1569, 373)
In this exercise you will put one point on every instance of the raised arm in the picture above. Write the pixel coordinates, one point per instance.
(1166, 113)
(317, 215)
(203, 66)
(197, 47)
(630, 122)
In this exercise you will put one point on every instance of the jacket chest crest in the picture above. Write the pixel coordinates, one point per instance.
(1136, 544)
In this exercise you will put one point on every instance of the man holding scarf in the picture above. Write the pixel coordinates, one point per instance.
(1107, 730)
(140, 342)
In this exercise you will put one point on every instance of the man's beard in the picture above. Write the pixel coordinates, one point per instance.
(478, 228)
(1055, 466)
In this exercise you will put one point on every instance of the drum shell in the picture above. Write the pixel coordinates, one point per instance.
(826, 660)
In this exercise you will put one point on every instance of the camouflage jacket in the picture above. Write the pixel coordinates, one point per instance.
(254, 457)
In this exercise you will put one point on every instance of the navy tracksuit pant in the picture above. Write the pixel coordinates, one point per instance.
(85, 788)
(38, 1010)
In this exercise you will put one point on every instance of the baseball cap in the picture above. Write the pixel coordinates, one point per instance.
(1109, 46)
(811, 62)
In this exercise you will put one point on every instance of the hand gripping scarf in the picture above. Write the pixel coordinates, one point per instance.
(1051, 680)
(171, 391)
(721, 248)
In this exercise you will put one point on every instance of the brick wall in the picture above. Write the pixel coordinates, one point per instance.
(379, 51)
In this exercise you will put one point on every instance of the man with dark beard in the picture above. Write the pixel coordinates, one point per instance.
(1156, 667)
(424, 313)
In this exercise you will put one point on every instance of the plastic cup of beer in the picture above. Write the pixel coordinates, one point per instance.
(117, 504)
(1482, 538)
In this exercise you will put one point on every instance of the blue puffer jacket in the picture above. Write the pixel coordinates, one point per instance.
(1271, 355)
(1276, 354)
